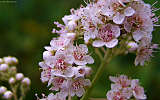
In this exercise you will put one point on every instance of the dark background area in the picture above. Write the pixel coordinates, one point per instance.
(25, 28)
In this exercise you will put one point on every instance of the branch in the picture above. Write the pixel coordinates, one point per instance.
(107, 58)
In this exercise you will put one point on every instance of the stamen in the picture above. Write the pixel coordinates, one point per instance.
(156, 9)
(157, 25)
(85, 2)
(154, 3)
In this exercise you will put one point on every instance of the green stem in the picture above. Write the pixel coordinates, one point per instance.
(14, 90)
(107, 58)
(98, 53)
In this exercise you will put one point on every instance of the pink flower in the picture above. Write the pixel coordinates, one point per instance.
(46, 73)
(77, 86)
(57, 83)
(124, 89)
(122, 94)
(61, 64)
(108, 36)
(70, 21)
(116, 10)
(57, 96)
(122, 80)
(79, 54)
(140, 24)
(138, 91)
(144, 52)
(82, 71)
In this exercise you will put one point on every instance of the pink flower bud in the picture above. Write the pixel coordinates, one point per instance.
(2, 89)
(3, 67)
(12, 80)
(8, 95)
(26, 81)
(19, 76)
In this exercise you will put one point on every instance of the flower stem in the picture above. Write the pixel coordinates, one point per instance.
(69, 97)
(14, 90)
(107, 58)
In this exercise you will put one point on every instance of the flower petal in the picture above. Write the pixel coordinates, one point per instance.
(118, 18)
(89, 59)
(98, 43)
(137, 35)
(116, 30)
(111, 43)
(129, 11)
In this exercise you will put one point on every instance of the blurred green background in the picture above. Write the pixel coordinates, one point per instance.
(25, 28)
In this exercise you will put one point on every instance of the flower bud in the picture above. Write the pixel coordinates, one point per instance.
(26, 81)
(88, 71)
(3, 67)
(12, 80)
(19, 76)
(1, 60)
(132, 46)
(13, 69)
(10, 60)
(46, 54)
(8, 95)
(3, 89)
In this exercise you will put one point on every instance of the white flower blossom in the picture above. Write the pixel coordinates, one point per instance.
(80, 54)
(77, 86)
(70, 21)
(108, 36)
(124, 89)
(138, 91)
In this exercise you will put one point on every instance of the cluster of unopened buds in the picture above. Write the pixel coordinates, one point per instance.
(116, 27)
(16, 81)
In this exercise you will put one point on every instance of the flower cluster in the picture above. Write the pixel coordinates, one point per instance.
(125, 89)
(121, 25)
(64, 66)
(110, 22)
(17, 81)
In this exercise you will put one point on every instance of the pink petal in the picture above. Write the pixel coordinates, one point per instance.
(98, 43)
(111, 43)
(118, 18)
(129, 11)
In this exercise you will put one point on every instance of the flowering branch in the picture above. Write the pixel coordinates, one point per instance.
(107, 58)
(121, 26)
(99, 53)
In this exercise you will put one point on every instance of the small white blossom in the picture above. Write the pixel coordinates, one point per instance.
(70, 21)
(138, 91)
(61, 64)
(57, 96)
(77, 86)
(80, 55)
(46, 73)
(132, 46)
(124, 89)
(139, 24)
(144, 52)
(108, 36)
(82, 71)
(122, 80)
(57, 83)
